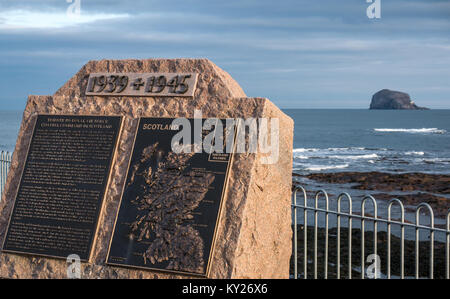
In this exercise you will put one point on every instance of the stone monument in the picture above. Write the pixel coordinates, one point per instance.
(94, 178)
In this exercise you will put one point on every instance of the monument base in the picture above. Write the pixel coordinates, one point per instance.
(254, 235)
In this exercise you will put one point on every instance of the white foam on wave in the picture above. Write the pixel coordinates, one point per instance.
(338, 153)
(422, 130)
(312, 149)
(414, 153)
(437, 160)
(355, 157)
(303, 150)
(332, 149)
(325, 167)
(301, 157)
(340, 149)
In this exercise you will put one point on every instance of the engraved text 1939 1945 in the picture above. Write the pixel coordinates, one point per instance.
(145, 84)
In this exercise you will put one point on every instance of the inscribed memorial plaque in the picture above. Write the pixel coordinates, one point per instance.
(171, 201)
(62, 185)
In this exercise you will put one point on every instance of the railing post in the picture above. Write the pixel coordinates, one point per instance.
(305, 261)
(363, 257)
(315, 236)
(316, 224)
(447, 245)
(295, 230)
(5, 162)
(402, 239)
(305, 235)
(295, 235)
(338, 262)
(1, 172)
(418, 208)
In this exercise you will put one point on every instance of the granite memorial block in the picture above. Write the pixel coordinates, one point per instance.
(95, 174)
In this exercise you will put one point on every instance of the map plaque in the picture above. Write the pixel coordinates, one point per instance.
(62, 185)
(170, 204)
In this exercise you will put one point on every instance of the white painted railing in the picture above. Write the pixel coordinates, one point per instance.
(321, 221)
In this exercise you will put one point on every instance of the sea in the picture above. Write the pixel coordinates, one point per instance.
(394, 141)
(362, 140)
(336, 140)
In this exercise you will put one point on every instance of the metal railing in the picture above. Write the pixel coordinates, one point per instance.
(5, 162)
(355, 256)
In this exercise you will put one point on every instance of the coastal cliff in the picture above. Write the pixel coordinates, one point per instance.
(390, 99)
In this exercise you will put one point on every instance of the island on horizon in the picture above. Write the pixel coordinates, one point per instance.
(393, 100)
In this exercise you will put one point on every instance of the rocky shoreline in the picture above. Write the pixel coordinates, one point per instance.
(410, 188)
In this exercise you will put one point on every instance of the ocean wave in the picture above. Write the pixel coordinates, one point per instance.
(301, 157)
(303, 150)
(338, 153)
(414, 153)
(355, 157)
(437, 160)
(422, 130)
(335, 149)
(336, 158)
(339, 149)
(325, 167)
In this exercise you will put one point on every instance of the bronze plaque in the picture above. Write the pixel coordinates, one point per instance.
(62, 186)
(171, 202)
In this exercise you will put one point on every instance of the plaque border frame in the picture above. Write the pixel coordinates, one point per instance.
(94, 239)
(219, 214)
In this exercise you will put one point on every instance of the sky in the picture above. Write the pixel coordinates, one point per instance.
(297, 53)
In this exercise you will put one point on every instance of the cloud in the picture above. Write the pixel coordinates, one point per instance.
(292, 51)
(29, 19)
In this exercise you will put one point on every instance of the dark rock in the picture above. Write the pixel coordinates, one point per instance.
(438, 203)
(390, 99)
(434, 183)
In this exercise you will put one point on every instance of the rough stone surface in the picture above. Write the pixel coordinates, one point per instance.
(390, 99)
(254, 233)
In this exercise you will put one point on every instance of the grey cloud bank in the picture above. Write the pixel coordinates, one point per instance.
(306, 54)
